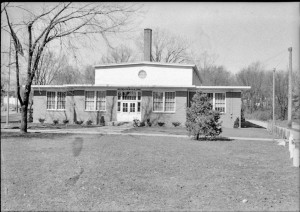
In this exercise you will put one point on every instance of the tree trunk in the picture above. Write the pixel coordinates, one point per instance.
(23, 128)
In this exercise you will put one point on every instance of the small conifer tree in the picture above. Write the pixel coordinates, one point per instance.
(201, 118)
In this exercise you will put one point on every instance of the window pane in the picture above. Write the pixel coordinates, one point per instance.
(132, 107)
(129, 95)
(170, 101)
(50, 100)
(119, 95)
(101, 100)
(157, 101)
(139, 95)
(139, 107)
(220, 102)
(125, 107)
(119, 106)
(61, 100)
(210, 97)
(89, 100)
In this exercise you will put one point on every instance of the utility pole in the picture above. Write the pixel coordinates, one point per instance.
(273, 125)
(8, 85)
(290, 90)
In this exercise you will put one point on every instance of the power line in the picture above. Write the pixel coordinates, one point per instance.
(264, 61)
(280, 61)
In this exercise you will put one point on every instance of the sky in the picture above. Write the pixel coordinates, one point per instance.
(238, 33)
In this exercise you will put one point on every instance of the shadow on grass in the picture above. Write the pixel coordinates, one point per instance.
(73, 180)
(248, 124)
(219, 138)
(32, 135)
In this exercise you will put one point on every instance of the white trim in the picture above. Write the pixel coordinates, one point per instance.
(116, 86)
(224, 102)
(164, 101)
(95, 100)
(56, 100)
(110, 86)
(224, 87)
(145, 63)
(214, 100)
(100, 101)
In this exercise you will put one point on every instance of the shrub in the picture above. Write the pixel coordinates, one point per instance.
(149, 124)
(89, 122)
(236, 123)
(41, 120)
(201, 118)
(79, 122)
(142, 124)
(176, 123)
(243, 114)
(161, 124)
(102, 121)
(55, 121)
(136, 123)
(66, 121)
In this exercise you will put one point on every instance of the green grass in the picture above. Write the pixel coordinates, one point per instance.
(72, 172)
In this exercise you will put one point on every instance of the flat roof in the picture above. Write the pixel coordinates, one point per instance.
(224, 87)
(190, 87)
(145, 63)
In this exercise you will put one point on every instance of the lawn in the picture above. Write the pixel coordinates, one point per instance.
(74, 172)
(226, 132)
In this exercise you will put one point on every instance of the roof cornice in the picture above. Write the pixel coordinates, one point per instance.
(145, 63)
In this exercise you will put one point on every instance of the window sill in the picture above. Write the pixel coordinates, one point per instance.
(128, 112)
(164, 111)
(94, 110)
(56, 109)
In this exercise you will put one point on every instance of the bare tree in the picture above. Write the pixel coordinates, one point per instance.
(167, 47)
(49, 68)
(217, 75)
(296, 94)
(120, 54)
(281, 94)
(204, 60)
(89, 74)
(68, 75)
(253, 76)
(56, 22)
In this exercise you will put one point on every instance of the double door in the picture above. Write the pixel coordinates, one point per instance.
(129, 111)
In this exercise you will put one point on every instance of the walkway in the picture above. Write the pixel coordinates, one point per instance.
(109, 130)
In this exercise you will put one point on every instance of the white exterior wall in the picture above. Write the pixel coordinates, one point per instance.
(163, 76)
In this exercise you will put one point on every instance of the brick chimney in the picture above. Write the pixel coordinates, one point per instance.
(147, 44)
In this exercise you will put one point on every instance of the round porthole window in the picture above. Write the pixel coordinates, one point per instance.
(142, 74)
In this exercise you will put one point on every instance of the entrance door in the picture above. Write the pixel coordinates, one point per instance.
(129, 107)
